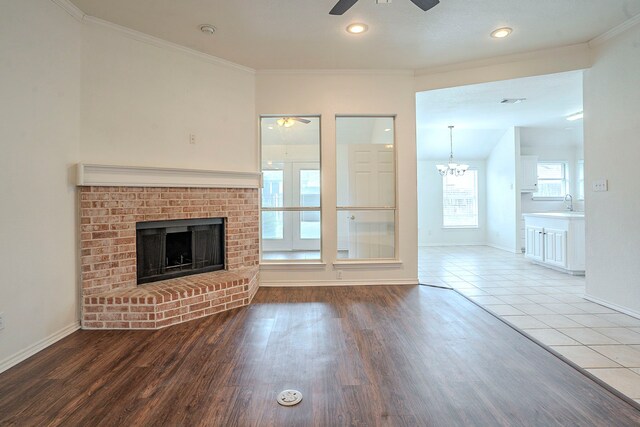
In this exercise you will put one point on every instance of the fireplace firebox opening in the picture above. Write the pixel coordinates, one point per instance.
(170, 249)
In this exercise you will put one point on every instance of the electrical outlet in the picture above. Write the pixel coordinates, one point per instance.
(339, 274)
(192, 138)
(1, 321)
(600, 185)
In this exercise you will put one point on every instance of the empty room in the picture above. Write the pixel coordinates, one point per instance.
(319, 213)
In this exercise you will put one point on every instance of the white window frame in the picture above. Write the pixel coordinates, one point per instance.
(291, 232)
(342, 209)
(580, 190)
(477, 198)
(566, 180)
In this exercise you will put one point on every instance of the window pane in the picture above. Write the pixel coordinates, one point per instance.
(550, 170)
(272, 190)
(309, 188)
(366, 234)
(460, 200)
(552, 180)
(293, 245)
(580, 182)
(289, 149)
(310, 225)
(272, 225)
(551, 188)
(365, 161)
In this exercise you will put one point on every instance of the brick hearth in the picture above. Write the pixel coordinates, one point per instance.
(111, 297)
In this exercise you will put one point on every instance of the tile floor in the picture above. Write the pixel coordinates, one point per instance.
(546, 304)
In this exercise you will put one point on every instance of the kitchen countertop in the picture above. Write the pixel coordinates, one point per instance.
(556, 215)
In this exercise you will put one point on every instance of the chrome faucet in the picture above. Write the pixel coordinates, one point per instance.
(568, 202)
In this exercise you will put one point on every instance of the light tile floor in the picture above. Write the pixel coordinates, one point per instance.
(546, 304)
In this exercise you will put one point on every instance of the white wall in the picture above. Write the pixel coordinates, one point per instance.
(330, 93)
(140, 103)
(612, 151)
(39, 133)
(430, 230)
(502, 205)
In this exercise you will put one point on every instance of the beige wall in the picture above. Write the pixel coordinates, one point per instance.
(328, 94)
(612, 151)
(39, 136)
(140, 103)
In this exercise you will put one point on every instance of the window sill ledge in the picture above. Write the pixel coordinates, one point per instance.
(292, 265)
(362, 264)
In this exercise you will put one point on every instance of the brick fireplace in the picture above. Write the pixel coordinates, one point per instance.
(112, 298)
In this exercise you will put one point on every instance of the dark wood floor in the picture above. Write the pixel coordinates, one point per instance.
(364, 356)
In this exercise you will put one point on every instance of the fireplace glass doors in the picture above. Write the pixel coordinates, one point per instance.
(170, 249)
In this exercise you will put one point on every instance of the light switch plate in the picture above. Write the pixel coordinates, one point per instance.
(600, 185)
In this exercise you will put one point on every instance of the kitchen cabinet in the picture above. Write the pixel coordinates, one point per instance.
(528, 174)
(556, 240)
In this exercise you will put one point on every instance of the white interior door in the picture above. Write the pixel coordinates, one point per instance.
(305, 226)
(371, 184)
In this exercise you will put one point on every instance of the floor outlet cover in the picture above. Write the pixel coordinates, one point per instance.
(289, 397)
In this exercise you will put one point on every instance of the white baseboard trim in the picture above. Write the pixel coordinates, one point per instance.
(430, 245)
(313, 283)
(612, 306)
(22, 355)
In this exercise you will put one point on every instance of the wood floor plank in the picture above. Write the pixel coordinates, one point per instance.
(362, 356)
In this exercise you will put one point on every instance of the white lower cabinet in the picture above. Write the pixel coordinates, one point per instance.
(555, 247)
(556, 240)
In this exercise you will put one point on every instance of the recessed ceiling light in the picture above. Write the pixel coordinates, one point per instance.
(387, 130)
(208, 29)
(501, 33)
(576, 116)
(357, 28)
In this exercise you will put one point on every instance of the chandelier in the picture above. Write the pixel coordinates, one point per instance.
(452, 168)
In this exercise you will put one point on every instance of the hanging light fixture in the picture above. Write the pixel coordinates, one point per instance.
(452, 168)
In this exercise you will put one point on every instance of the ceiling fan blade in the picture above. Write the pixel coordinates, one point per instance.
(342, 6)
(301, 120)
(425, 4)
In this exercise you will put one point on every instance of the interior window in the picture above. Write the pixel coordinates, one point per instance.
(366, 187)
(290, 211)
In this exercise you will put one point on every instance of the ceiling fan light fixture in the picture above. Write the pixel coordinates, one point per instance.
(501, 33)
(285, 122)
(357, 28)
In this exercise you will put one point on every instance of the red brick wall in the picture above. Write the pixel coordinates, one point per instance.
(108, 217)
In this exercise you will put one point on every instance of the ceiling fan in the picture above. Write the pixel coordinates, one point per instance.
(290, 121)
(343, 5)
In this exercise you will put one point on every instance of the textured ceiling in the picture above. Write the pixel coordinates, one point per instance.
(300, 34)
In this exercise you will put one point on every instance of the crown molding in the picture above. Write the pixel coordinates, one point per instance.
(338, 72)
(505, 59)
(155, 41)
(615, 31)
(70, 8)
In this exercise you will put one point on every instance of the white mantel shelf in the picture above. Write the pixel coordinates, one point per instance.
(143, 176)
